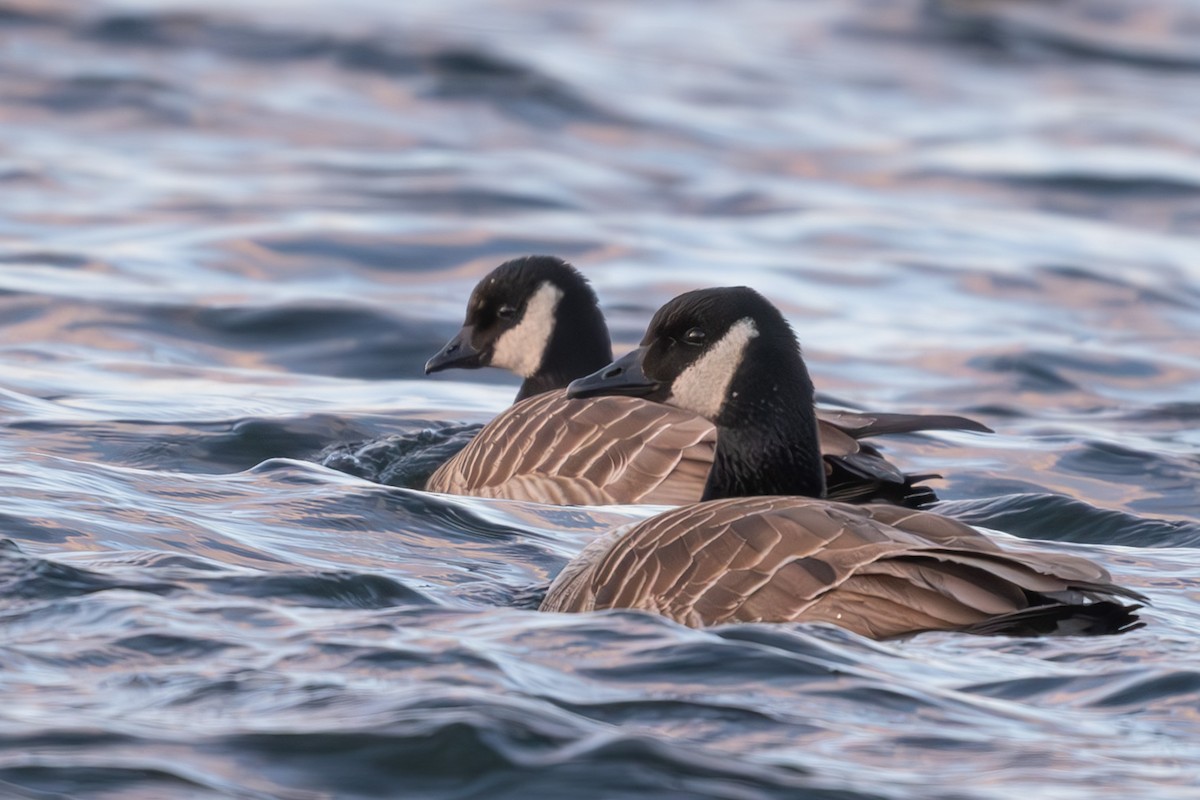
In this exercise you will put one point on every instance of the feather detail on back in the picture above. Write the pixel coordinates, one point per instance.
(611, 450)
(877, 570)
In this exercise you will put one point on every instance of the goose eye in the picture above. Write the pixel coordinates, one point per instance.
(695, 336)
(506, 311)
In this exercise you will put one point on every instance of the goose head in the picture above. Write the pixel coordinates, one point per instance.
(713, 352)
(536, 317)
(728, 355)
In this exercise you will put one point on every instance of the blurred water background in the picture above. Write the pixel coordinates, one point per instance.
(232, 232)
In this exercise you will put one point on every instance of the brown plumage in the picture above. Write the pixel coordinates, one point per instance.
(597, 452)
(878, 570)
(764, 546)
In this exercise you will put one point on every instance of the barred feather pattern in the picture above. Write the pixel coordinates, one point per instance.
(608, 450)
(879, 570)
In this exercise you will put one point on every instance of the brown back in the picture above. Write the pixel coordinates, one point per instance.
(878, 570)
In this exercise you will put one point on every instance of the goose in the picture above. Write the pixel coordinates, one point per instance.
(766, 545)
(538, 317)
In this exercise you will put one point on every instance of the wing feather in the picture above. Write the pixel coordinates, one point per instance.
(878, 570)
(602, 451)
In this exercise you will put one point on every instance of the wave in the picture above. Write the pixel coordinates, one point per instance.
(1162, 37)
(452, 70)
(1065, 519)
(406, 459)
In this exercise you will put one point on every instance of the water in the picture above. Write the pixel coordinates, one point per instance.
(231, 233)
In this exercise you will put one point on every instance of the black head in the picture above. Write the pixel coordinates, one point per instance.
(702, 350)
(534, 316)
(730, 356)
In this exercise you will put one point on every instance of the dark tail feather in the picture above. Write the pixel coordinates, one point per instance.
(848, 482)
(861, 425)
(1102, 618)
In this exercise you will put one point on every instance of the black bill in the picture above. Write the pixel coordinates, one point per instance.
(624, 376)
(458, 353)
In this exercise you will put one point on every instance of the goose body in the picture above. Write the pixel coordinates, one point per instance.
(611, 450)
(878, 570)
(538, 317)
(765, 546)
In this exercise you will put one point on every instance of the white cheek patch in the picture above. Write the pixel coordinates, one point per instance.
(701, 387)
(521, 349)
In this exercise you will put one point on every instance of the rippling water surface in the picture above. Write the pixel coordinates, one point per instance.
(231, 233)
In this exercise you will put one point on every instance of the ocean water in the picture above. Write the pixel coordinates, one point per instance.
(231, 234)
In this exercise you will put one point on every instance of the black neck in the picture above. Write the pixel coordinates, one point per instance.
(767, 440)
(578, 346)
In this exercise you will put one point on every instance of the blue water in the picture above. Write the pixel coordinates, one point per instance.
(231, 234)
